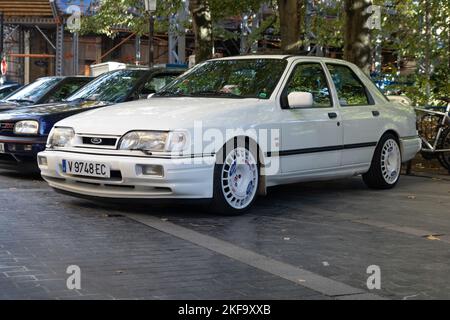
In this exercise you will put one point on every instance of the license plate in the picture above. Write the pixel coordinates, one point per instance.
(2, 148)
(86, 168)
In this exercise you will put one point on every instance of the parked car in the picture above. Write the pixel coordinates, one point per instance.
(7, 89)
(205, 136)
(24, 130)
(44, 90)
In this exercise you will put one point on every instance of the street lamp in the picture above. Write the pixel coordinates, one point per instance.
(150, 7)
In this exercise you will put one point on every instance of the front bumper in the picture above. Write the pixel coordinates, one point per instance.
(410, 147)
(182, 179)
(20, 152)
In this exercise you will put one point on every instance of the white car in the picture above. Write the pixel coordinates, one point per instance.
(230, 128)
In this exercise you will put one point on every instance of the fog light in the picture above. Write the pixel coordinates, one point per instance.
(42, 161)
(153, 170)
(28, 147)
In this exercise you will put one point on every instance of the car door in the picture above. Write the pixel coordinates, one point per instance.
(311, 136)
(360, 116)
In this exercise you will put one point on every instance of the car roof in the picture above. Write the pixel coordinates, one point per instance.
(64, 77)
(152, 69)
(284, 57)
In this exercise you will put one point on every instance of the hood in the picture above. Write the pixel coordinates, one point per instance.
(162, 114)
(6, 105)
(51, 109)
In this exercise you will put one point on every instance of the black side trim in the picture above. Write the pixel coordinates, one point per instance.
(322, 149)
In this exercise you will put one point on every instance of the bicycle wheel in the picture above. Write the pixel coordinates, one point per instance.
(427, 125)
(444, 143)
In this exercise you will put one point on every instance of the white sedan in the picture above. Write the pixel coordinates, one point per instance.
(230, 128)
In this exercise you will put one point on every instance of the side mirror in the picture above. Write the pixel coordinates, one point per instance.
(300, 100)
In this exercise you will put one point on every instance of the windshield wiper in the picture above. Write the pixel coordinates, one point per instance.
(212, 93)
(170, 94)
(21, 100)
(88, 99)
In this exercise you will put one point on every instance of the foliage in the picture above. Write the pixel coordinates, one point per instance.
(114, 14)
(404, 32)
(130, 13)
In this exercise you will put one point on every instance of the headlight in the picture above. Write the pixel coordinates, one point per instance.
(177, 141)
(26, 127)
(60, 137)
(154, 141)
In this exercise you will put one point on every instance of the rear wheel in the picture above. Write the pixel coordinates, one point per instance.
(236, 179)
(386, 164)
(444, 143)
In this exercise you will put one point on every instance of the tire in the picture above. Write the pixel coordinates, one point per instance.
(384, 172)
(237, 162)
(444, 143)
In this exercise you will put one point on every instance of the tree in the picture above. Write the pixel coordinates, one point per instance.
(418, 32)
(206, 16)
(127, 13)
(289, 15)
(202, 27)
(357, 44)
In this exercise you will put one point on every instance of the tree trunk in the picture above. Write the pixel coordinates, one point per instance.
(289, 25)
(357, 47)
(428, 49)
(202, 25)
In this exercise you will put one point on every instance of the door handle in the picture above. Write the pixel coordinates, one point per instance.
(376, 113)
(332, 115)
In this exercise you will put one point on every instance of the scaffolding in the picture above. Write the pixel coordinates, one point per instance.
(20, 17)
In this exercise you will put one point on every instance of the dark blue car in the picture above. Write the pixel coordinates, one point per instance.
(43, 90)
(24, 130)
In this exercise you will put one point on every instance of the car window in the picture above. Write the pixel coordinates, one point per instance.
(157, 82)
(112, 87)
(7, 91)
(34, 91)
(350, 89)
(234, 78)
(310, 77)
(66, 89)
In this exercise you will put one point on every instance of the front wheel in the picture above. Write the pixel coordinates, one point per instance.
(236, 179)
(386, 164)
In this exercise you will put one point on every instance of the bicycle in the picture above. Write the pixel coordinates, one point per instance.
(434, 129)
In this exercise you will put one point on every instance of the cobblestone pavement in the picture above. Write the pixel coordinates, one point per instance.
(306, 241)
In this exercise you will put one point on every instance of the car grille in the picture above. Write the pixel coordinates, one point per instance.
(6, 127)
(99, 141)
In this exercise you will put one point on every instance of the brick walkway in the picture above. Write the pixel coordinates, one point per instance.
(334, 230)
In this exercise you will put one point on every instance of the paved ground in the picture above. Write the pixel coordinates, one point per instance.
(308, 241)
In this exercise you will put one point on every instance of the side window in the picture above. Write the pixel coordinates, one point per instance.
(310, 77)
(66, 89)
(351, 91)
(156, 83)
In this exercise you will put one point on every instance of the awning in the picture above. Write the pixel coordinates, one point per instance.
(26, 8)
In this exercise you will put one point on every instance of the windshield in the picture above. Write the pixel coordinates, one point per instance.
(34, 91)
(240, 78)
(110, 87)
